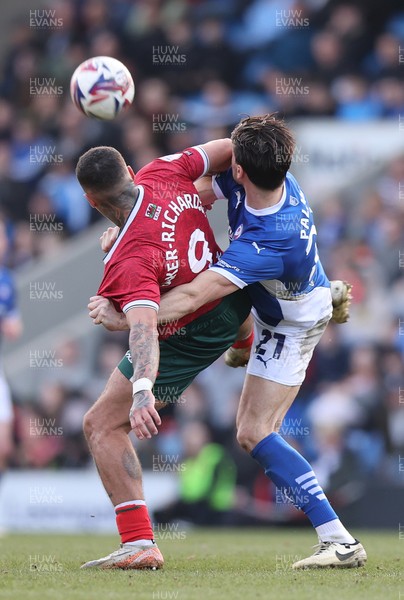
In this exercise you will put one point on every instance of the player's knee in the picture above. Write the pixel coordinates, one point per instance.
(88, 425)
(246, 437)
(93, 426)
(250, 433)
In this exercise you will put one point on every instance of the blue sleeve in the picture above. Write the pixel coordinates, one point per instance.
(8, 303)
(245, 262)
(224, 184)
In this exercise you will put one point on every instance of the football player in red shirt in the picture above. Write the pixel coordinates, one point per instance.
(165, 240)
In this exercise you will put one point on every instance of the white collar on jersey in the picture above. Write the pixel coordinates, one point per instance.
(270, 210)
(129, 220)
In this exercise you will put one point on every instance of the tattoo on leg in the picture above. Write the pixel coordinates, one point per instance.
(131, 464)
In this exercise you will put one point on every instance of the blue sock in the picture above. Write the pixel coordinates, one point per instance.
(292, 474)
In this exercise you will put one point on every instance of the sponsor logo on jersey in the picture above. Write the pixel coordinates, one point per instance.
(293, 201)
(238, 196)
(171, 157)
(258, 249)
(153, 212)
(238, 232)
(258, 357)
(223, 263)
(188, 152)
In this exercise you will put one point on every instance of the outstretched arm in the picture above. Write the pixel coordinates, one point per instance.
(184, 299)
(102, 312)
(219, 154)
(205, 191)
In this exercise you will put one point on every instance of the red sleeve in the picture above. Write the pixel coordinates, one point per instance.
(134, 280)
(190, 164)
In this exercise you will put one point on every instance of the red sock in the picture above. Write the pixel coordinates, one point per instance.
(133, 522)
(246, 343)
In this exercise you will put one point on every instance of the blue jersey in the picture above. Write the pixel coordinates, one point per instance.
(273, 251)
(8, 305)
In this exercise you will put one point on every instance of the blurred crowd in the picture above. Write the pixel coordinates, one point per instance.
(197, 66)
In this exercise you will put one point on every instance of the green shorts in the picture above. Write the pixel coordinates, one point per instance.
(196, 346)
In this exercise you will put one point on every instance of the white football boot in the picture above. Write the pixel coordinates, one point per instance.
(129, 556)
(334, 555)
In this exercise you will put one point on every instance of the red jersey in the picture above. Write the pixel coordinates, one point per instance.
(166, 240)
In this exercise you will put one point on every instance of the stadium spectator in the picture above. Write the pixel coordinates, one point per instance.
(207, 481)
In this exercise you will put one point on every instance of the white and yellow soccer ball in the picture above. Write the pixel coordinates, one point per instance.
(101, 87)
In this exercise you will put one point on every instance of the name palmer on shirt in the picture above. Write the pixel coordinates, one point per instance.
(168, 233)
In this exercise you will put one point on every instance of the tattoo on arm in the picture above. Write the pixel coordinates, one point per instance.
(140, 399)
(131, 464)
(144, 350)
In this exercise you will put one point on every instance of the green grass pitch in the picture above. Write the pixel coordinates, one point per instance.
(200, 564)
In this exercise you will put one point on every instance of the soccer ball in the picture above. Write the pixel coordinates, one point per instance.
(101, 87)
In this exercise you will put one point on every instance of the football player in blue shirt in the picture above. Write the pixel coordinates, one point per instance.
(273, 251)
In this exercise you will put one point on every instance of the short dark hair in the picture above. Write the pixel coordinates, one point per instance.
(263, 146)
(101, 170)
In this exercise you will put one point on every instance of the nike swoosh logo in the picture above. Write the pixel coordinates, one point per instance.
(343, 557)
